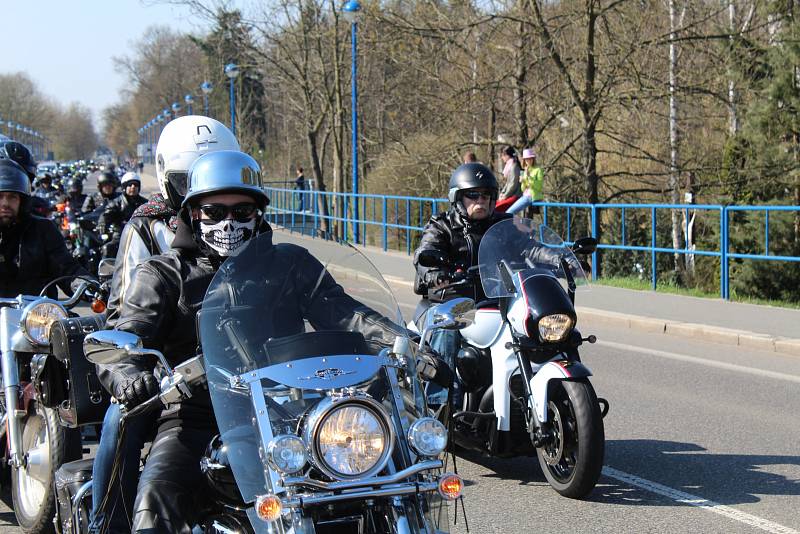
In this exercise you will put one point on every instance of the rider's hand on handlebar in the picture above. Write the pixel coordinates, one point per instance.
(432, 368)
(138, 390)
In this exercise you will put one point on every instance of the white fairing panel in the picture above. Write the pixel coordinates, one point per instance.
(483, 332)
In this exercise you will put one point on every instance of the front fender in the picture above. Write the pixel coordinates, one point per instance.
(556, 370)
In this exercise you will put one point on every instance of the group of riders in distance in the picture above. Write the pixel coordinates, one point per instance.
(240, 377)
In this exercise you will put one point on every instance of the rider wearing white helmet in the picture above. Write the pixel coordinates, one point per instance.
(148, 233)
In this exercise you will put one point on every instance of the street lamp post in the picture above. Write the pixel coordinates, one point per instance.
(206, 88)
(351, 11)
(189, 99)
(232, 71)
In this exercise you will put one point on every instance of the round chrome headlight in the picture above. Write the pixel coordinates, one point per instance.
(555, 327)
(287, 454)
(38, 317)
(349, 438)
(427, 436)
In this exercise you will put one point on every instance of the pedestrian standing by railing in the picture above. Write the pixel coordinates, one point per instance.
(532, 185)
(300, 185)
(511, 172)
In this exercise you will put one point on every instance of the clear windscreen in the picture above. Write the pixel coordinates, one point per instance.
(521, 245)
(291, 319)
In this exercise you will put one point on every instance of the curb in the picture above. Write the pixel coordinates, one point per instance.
(714, 334)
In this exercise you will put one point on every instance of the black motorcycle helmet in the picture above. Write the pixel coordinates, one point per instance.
(20, 154)
(14, 179)
(75, 186)
(471, 176)
(106, 177)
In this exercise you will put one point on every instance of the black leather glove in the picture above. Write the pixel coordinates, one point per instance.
(138, 390)
(431, 368)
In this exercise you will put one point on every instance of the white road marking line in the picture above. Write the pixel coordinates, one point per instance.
(694, 500)
(701, 361)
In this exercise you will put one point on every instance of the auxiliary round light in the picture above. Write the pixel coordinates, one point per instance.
(268, 508)
(287, 454)
(427, 436)
(38, 317)
(450, 486)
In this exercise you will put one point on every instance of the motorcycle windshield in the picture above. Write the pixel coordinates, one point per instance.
(275, 345)
(522, 246)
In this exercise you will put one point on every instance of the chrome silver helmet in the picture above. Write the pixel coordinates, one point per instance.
(225, 170)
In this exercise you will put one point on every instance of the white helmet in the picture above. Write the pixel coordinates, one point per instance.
(129, 177)
(182, 141)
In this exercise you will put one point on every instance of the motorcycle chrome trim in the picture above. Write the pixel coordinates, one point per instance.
(301, 374)
(557, 370)
(366, 482)
(76, 504)
(320, 413)
(300, 501)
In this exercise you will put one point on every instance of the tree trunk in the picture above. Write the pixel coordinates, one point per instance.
(520, 73)
(674, 185)
(313, 155)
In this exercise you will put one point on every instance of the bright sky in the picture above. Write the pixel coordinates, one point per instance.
(66, 46)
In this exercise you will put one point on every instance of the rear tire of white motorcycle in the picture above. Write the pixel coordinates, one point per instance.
(62, 449)
(591, 441)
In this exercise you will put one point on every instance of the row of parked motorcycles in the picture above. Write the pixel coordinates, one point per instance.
(317, 432)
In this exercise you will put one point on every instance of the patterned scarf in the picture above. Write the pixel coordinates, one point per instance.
(157, 208)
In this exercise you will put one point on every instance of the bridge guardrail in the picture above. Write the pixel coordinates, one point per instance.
(406, 216)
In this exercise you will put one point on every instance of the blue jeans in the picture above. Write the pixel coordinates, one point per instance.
(522, 202)
(138, 430)
(446, 343)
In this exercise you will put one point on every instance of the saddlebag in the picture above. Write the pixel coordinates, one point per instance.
(84, 400)
(69, 479)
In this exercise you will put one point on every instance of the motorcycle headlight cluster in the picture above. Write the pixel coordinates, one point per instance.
(555, 327)
(427, 436)
(38, 317)
(349, 438)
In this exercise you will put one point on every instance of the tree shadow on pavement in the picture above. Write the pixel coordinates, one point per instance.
(689, 468)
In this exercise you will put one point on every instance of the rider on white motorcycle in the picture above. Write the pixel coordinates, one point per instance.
(456, 235)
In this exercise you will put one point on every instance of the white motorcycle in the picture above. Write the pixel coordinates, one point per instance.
(524, 387)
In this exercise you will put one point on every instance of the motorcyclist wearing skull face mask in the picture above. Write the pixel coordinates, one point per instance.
(149, 232)
(221, 213)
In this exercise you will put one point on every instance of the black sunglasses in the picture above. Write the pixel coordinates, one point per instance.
(242, 212)
(475, 195)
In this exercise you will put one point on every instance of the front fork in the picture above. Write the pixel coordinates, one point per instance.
(539, 434)
(13, 415)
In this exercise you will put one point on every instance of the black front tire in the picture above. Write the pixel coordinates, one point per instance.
(573, 460)
(33, 498)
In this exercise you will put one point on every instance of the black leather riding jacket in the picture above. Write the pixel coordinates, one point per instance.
(457, 238)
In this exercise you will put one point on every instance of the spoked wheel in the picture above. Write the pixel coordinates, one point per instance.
(573, 459)
(46, 445)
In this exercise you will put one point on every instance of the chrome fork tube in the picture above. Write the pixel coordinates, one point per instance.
(11, 390)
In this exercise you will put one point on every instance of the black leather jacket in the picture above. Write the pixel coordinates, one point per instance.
(33, 253)
(119, 210)
(167, 291)
(97, 200)
(458, 239)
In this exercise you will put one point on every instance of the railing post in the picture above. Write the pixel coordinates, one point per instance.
(653, 245)
(385, 245)
(408, 225)
(766, 232)
(595, 254)
(315, 200)
(723, 247)
(623, 227)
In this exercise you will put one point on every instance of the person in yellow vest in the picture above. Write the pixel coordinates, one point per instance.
(532, 185)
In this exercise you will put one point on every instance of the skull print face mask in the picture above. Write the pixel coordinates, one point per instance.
(226, 237)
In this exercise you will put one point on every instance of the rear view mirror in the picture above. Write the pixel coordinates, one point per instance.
(455, 314)
(584, 245)
(432, 258)
(110, 346)
(105, 268)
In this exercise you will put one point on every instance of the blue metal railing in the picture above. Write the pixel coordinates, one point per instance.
(381, 215)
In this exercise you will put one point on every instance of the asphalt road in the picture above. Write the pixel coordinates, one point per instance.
(700, 438)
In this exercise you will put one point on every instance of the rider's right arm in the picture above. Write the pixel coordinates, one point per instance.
(88, 204)
(148, 311)
(434, 237)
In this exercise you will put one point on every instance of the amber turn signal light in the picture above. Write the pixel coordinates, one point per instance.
(268, 508)
(98, 306)
(450, 486)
